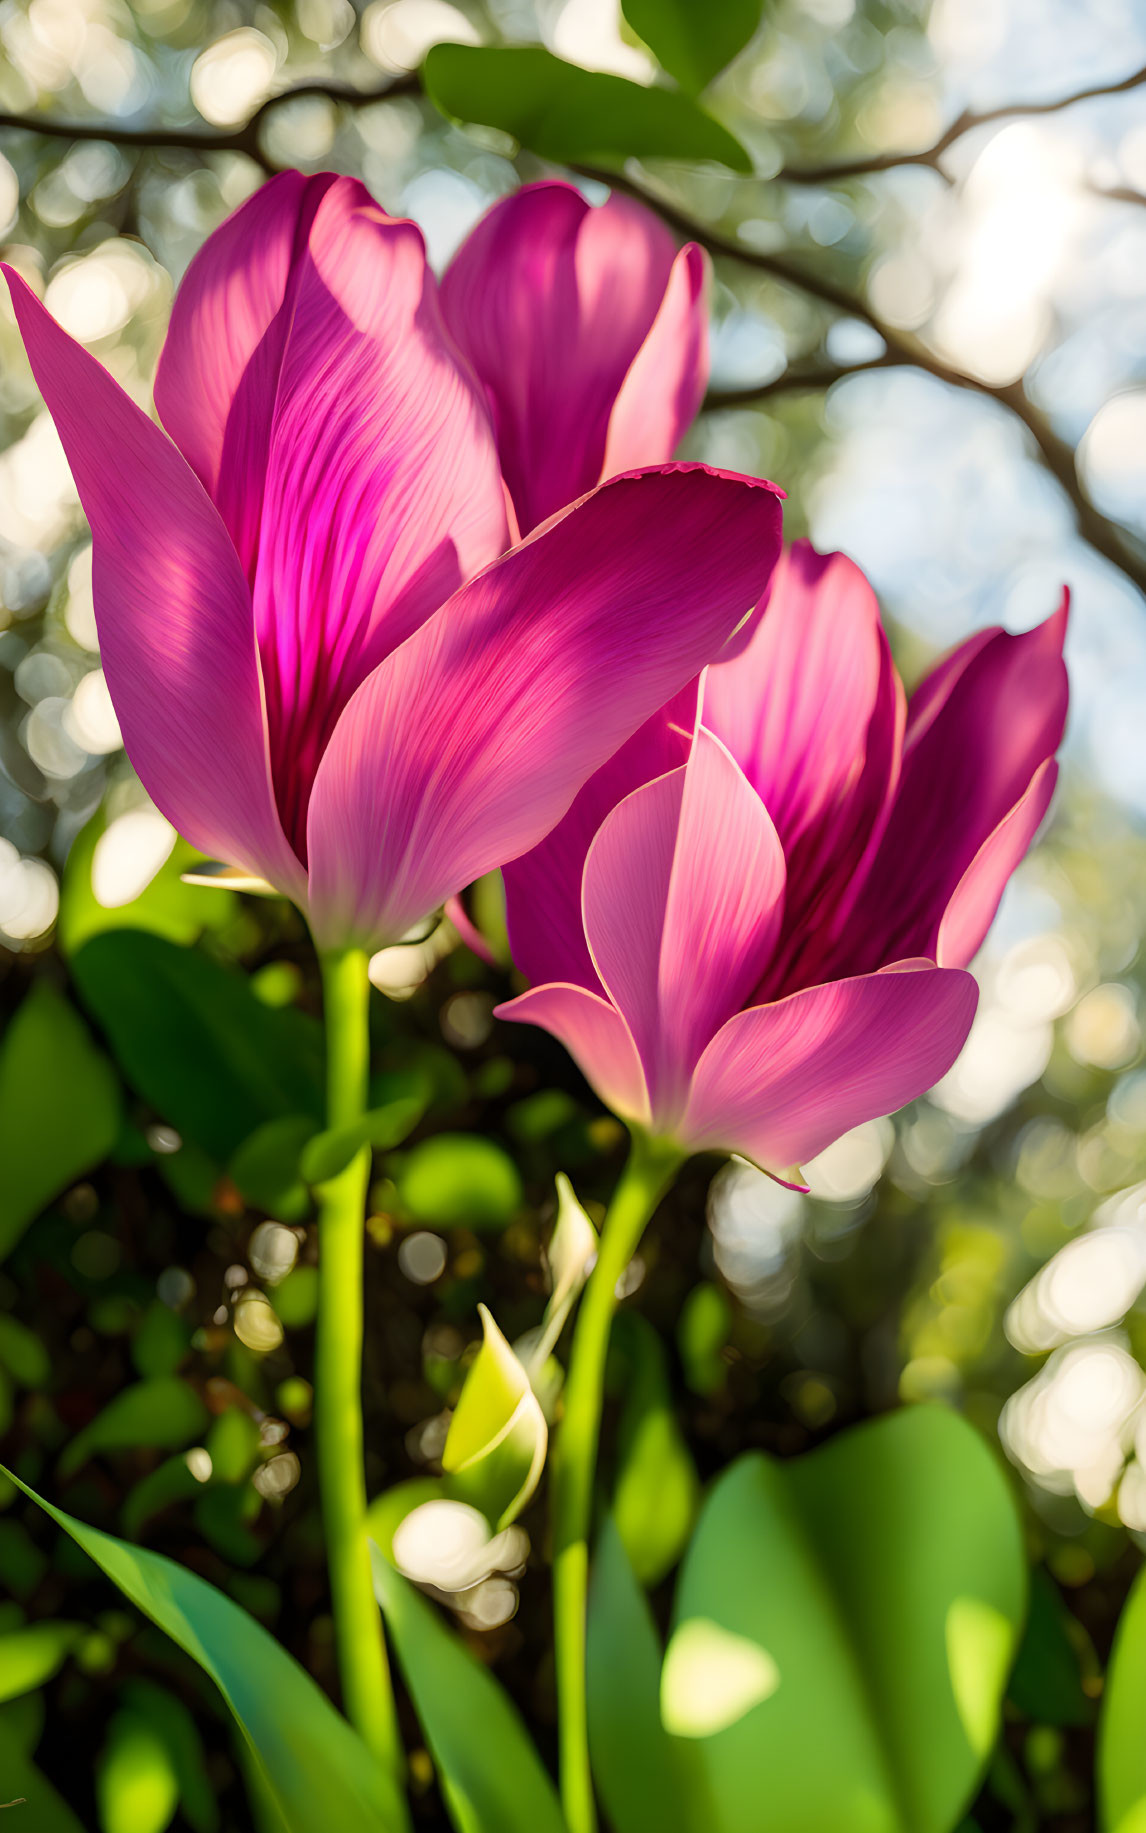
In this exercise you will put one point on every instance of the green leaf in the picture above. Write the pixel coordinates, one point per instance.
(495, 1448)
(172, 1481)
(571, 115)
(174, 1724)
(59, 1108)
(460, 1180)
(43, 1811)
(702, 1333)
(163, 1414)
(233, 1445)
(492, 1778)
(30, 1656)
(265, 1169)
(1121, 1739)
(881, 1582)
(1046, 1685)
(315, 1768)
(137, 1789)
(106, 883)
(657, 1489)
(161, 1342)
(23, 1354)
(195, 1041)
(694, 42)
(384, 1127)
(636, 1765)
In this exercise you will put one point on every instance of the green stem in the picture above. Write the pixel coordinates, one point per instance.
(651, 1168)
(367, 1696)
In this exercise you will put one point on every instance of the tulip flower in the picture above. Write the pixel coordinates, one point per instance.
(328, 670)
(752, 928)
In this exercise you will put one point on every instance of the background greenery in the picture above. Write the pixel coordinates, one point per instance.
(161, 1060)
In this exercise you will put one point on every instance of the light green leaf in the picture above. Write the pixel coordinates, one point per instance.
(30, 1656)
(1122, 1725)
(636, 1765)
(881, 1580)
(163, 1414)
(571, 115)
(328, 1153)
(693, 42)
(702, 1333)
(171, 1721)
(460, 1180)
(711, 1678)
(495, 1448)
(316, 1770)
(43, 1811)
(492, 1778)
(657, 1489)
(59, 1108)
(125, 874)
(137, 1789)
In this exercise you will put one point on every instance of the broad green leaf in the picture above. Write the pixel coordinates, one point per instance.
(137, 1788)
(881, 1581)
(657, 1489)
(1046, 1684)
(43, 1810)
(329, 1153)
(460, 1180)
(495, 1448)
(694, 42)
(1122, 1725)
(492, 1778)
(569, 114)
(59, 1107)
(195, 1041)
(636, 1765)
(163, 1414)
(315, 1768)
(125, 874)
(30, 1656)
(265, 1167)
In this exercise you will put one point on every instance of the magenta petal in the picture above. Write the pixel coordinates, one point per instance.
(173, 611)
(469, 743)
(551, 300)
(661, 395)
(543, 887)
(596, 1037)
(683, 894)
(781, 1082)
(972, 909)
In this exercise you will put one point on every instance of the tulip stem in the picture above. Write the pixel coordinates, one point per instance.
(367, 1695)
(651, 1168)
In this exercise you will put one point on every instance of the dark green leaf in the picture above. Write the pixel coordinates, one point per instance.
(265, 1167)
(23, 1354)
(196, 1042)
(43, 1811)
(571, 115)
(59, 1108)
(163, 1414)
(1046, 1685)
(384, 1127)
(316, 1770)
(460, 1180)
(492, 1778)
(161, 1342)
(691, 41)
(657, 1489)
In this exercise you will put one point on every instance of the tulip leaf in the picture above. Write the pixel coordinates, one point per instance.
(1121, 1744)
(41, 1809)
(163, 1413)
(876, 1585)
(657, 1489)
(329, 1153)
(694, 43)
(125, 874)
(492, 1778)
(572, 115)
(460, 1180)
(195, 1041)
(59, 1108)
(636, 1765)
(313, 1766)
(495, 1448)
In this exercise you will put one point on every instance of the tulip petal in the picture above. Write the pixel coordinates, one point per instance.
(173, 610)
(469, 743)
(543, 887)
(994, 717)
(972, 909)
(596, 1037)
(682, 900)
(661, 395)
(551, 300)
(779, 1083)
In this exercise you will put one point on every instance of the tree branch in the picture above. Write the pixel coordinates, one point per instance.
(965, 123)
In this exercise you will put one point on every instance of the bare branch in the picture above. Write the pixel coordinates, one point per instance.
(965, 123)
(795, 382)
(1119, 194)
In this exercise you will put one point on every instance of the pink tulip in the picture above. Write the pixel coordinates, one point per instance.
(327, 669)
(752, 926)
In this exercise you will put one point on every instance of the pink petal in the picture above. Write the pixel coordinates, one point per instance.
(469, 743)
(596, 1037)
(781, 1082)
(173, 610)
(972, 909)
(551, 300)
(995, 716)
(543, 887)
(469, 932)
(683, 894)
(660, 397)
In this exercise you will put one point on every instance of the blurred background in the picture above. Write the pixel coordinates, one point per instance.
(987, 1248)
